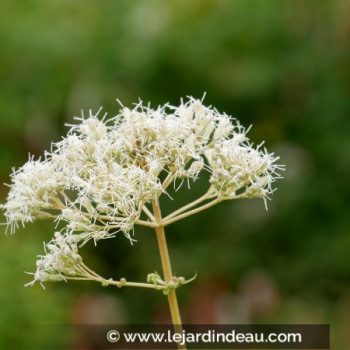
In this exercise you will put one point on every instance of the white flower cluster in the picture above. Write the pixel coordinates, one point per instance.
(33, 191)
(99, 178)
(235, 165)
(60, 262)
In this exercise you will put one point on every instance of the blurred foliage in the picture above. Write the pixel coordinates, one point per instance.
(282, 66)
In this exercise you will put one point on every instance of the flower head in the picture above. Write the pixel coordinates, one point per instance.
(99, 178)
(61, 261)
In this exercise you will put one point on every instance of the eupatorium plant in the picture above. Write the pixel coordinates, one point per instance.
(107, 175)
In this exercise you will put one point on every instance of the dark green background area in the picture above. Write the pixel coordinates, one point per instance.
(282, 66)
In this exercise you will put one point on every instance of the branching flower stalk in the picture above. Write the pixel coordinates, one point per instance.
(107, 175)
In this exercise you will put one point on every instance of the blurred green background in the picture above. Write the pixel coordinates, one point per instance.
(283, 66)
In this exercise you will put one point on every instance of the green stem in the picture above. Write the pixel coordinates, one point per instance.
(168, 275)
